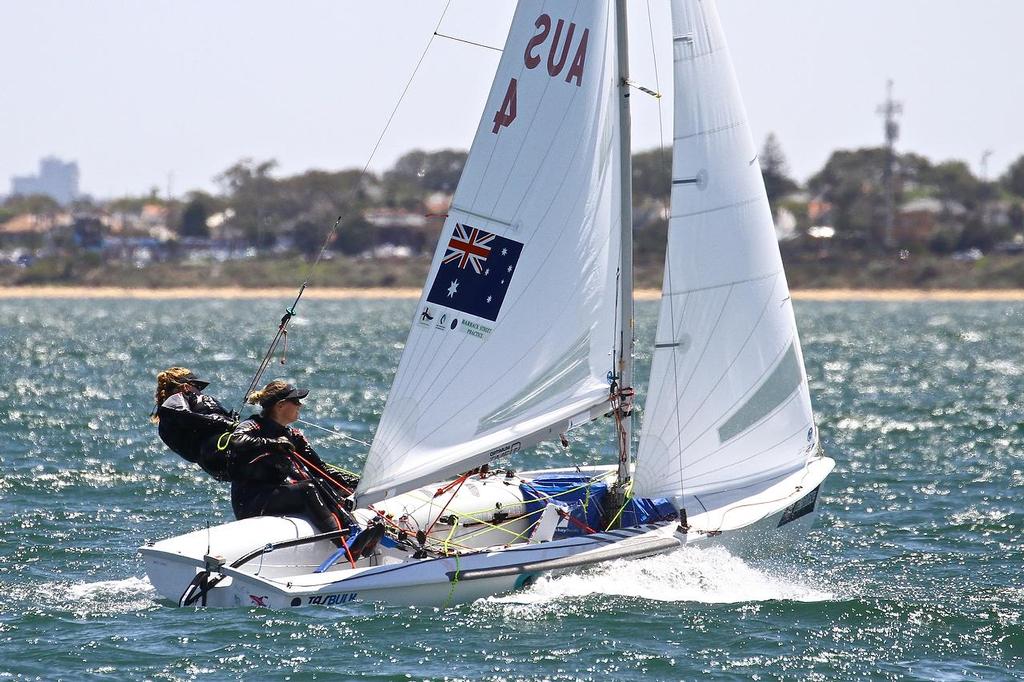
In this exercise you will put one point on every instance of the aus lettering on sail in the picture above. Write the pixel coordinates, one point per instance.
(563, 40)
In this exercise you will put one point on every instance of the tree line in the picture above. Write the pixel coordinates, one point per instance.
(261, 207)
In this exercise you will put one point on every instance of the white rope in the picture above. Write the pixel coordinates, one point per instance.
(332, 431)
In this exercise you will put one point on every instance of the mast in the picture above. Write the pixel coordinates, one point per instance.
(625, 359)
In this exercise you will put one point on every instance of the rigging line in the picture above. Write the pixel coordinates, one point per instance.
(468, 42)
(668, 250)
(264, 364)
(405, 90)
(332, 431)
(665, 162)
(462, 479)
(657, 80)
(290, 312)
(282, 333)
(383, 132)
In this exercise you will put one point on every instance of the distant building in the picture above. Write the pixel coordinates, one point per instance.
(56, 179)
(394, 217)
(31, 229)
(819, 211)
(920, 219)
(402, 228)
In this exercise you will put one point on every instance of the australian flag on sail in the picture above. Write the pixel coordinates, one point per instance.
(475, 272)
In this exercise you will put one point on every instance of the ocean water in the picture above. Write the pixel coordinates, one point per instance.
(914, 571)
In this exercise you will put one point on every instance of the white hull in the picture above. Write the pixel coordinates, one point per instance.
(286, 577)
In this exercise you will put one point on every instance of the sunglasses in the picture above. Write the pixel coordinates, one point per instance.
(294, 401)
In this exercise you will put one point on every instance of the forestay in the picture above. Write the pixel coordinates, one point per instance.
(510, 342)
(728, 405)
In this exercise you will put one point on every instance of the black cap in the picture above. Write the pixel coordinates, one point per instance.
(191, 378)
(288, 392)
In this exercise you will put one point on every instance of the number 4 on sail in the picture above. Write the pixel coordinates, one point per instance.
(524, 332)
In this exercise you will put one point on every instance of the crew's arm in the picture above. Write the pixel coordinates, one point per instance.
(303, 447)
(246, 441)
(310, 455)
(208, 409)
(194, 413)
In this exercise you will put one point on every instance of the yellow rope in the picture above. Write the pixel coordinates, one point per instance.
(541, 497)
(224, 440)
(450, 534)
(489, 526)
(334, 467)
(455, 581)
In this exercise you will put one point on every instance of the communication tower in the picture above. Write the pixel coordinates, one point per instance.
(889, 111)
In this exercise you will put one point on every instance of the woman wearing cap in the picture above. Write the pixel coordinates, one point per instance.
(270, 462)
(190, 421)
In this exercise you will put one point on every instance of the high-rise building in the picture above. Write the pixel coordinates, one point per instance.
(56, 179)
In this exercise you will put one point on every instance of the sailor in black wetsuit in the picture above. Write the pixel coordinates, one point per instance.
(190, 422)
(268, 474)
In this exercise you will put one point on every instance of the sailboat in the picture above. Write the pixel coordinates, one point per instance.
(524, 332)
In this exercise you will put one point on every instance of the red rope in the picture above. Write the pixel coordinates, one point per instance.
(345, 545)
(457, 481)
(460, 480)
(576, 522)
(322, 473)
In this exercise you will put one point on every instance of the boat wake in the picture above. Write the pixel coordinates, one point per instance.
(708, 575)
(129, 594)
(84, 599)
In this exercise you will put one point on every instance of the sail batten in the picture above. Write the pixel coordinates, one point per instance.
(728, 404)
(503, 349)
(724, 207)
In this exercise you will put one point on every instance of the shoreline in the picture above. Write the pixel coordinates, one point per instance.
(336, 293)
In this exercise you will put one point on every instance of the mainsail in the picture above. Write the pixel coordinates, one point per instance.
(728, 405)
(510, 342)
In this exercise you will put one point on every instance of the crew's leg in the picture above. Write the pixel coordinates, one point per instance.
(302, 498)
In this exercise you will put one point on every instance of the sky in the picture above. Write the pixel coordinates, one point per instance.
(168, 94)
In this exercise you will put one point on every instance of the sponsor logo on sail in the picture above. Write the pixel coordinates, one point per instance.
(504, 450)
(480, 331)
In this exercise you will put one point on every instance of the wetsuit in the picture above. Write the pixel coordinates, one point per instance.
(190, 424)
(265, 478)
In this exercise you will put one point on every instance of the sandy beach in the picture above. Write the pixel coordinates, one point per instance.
(78, 292)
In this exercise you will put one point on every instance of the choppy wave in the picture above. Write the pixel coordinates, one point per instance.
(914, 573)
